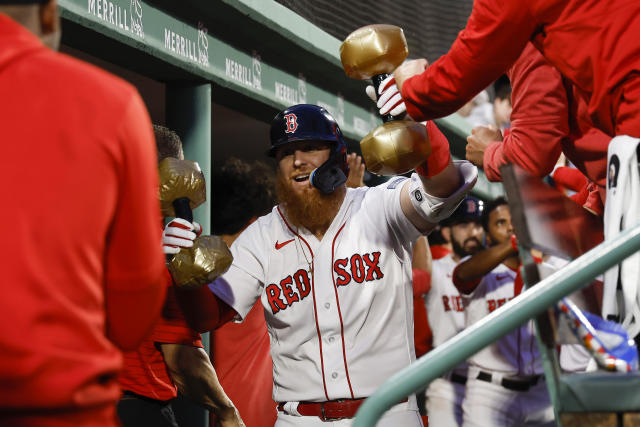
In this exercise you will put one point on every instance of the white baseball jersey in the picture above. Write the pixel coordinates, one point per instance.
(340, 310)
(515, 354)
(445, 306)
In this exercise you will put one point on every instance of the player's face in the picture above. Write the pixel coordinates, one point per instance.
(500, 228)
(297, 160)
(466, 238)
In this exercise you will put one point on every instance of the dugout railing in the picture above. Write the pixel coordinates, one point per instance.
(570, 393)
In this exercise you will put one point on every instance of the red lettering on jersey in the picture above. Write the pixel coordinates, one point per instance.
(302, 282)
(372, 266)
(292, 123)
(501, 302)
(445, 302)
(273, 296)
(289, 294)
(357, 268)
(339, 267)
(492, 305)
(458, 303)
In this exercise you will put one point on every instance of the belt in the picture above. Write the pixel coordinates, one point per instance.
(457, 378)
(330, 410)
(511, 384)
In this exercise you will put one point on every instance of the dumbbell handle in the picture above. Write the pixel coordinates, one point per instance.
(183, 210)
(377, 80)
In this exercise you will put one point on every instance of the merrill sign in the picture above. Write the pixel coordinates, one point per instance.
(117, 15)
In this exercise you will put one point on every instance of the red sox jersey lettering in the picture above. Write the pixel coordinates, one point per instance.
(368, 270)
(453, 302)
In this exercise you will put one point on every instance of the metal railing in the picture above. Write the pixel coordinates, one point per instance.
(530, 303)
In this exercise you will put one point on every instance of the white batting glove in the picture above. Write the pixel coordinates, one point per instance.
(179, 233)
(390, 101)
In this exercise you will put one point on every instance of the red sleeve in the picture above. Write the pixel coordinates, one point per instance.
(422, 335)
(172, 327)
(571, 178)
(203, 310)
(496, 33)
(421, 282)
(539, 120)
(135, 284)
(464, 287)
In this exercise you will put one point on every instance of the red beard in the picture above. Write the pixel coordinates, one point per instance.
(310, 209)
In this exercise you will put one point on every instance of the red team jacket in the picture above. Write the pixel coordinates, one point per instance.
(593, 43)
(82, 272)
(547, 118)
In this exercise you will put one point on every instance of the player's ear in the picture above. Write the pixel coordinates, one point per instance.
(50, 24)
(446, 233)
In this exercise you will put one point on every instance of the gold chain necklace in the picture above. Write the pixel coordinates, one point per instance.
(309, 262)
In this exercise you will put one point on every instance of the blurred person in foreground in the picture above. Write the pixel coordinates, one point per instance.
(83, 276)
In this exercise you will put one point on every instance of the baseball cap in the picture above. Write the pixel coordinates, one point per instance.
(469, 210)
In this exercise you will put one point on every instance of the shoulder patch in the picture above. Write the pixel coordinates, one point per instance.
(393, 183)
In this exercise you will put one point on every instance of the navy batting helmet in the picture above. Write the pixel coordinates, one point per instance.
(305, 122)
(469, 210)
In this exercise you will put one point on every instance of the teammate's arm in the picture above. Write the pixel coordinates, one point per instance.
(193, 374)
(203, 310)
(495, 34)
(468, 274)
(421, 266)
(539, 120)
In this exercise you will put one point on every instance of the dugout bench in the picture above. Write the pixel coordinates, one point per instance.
(546, 220)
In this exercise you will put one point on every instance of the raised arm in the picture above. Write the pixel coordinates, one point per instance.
(495, 34)
(468, 274)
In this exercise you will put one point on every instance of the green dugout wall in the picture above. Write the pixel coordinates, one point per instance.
(252, 56)
(257, 55)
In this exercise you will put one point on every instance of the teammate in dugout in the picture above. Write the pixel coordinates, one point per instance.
(332, 267)
(446, 310)
(505, 385)
(172, 358)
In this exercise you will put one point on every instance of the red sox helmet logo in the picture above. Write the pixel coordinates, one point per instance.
(292, 123)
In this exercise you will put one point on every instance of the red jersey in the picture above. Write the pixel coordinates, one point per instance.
(593, 43)
(242, 356)
(145, 372)
(82, 272)
(547, 118)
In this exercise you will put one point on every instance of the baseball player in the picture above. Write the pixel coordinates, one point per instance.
(445, 310)
(332, 267)
(505, 385)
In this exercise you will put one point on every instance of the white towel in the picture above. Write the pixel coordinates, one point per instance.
(621, 296)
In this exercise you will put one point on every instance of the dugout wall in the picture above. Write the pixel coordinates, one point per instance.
(224, 68)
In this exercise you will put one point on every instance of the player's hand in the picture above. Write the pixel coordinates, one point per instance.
(479, 140)
(179, 233)
(409, 69)
(390, 101)
(229, 418)
(356, 171)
